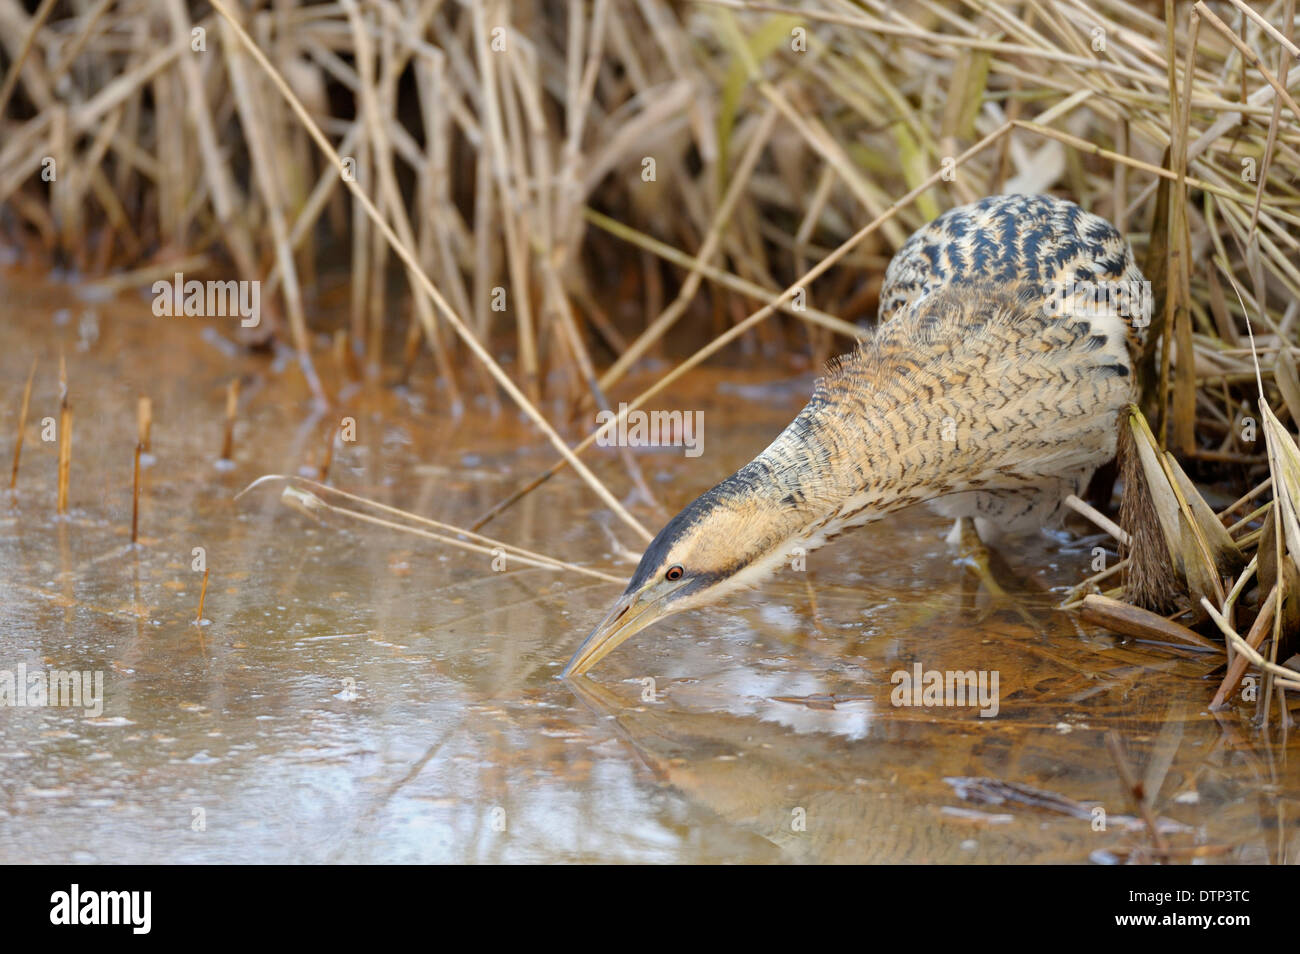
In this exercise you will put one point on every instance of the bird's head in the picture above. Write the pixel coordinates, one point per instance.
(728, 538)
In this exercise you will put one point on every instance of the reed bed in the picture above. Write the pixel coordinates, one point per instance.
(525, 200)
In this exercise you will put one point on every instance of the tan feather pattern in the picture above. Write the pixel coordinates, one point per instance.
(973, 389)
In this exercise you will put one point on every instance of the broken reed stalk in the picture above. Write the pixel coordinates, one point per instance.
(65, 456)
(23, 408)
(65, 437)
(410, 350)
(346, 358)
(144, 423)
(203, 596)
(135, 496)
(232, 405)
(328, 457)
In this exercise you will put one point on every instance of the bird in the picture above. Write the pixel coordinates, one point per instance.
(990, 388)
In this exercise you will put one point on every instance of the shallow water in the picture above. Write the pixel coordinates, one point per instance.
(364, 695)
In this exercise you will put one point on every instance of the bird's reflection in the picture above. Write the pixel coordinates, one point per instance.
(818, 797)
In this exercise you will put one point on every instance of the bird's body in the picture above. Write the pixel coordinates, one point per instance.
(1033, 242)
(991, 389)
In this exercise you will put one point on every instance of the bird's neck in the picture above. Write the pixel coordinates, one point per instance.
(826, 479)
(852, 456)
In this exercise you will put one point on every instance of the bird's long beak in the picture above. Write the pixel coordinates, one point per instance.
(632, 613)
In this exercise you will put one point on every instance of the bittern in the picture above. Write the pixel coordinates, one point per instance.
(991, 388)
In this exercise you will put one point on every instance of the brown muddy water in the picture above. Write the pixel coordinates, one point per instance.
(360, 695)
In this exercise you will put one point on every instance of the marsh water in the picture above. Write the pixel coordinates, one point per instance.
(361, 695)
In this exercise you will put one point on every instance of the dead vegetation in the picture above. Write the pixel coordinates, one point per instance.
(536, 196)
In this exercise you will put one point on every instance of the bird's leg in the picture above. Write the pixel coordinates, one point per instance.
(980, 560)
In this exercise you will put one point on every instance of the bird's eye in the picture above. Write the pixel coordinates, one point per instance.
(675, 572)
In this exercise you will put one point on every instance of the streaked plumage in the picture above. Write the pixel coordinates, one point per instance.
(1007, 238)
(971, 395)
